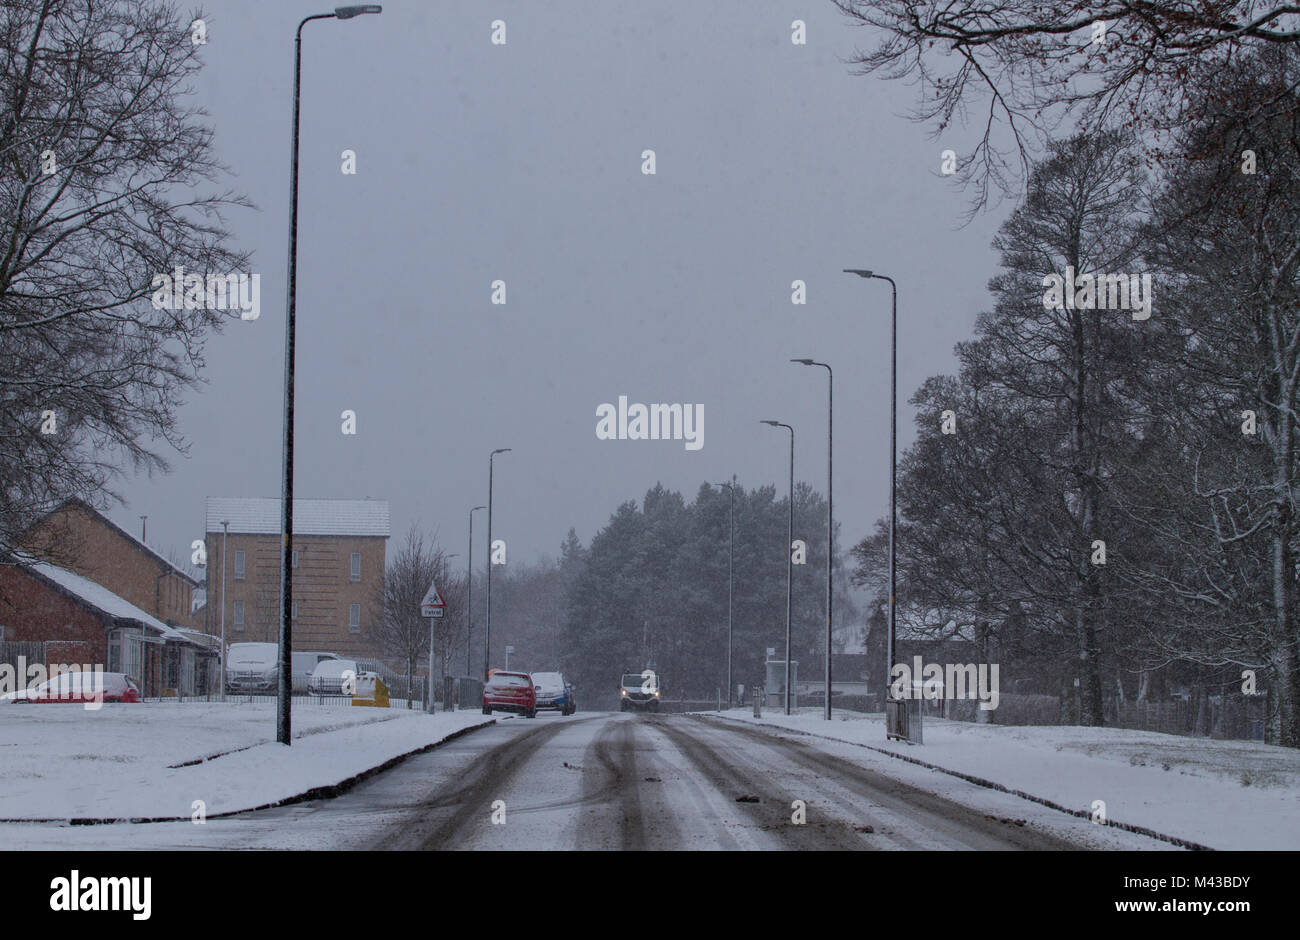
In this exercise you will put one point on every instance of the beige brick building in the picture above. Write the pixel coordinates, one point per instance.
(338, 565)
(77, 537)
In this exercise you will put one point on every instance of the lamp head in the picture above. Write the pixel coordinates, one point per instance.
(859, 272)
(346, 13)
(806, 362)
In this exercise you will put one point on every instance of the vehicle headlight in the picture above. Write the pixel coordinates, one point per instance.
(656, 693)
(623, 691)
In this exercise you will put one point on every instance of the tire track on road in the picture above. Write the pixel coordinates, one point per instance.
(968, 826)
(728, 776)
(488, 777)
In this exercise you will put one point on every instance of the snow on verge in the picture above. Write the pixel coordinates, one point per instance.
(60, 762)
(1221, 794)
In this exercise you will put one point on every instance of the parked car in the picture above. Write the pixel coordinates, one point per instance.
(334, 677)
(304, 664)
(79, 687)
(253, 667)
(554, 692)
(510, 692)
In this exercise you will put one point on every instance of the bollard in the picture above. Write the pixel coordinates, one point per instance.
(758, 703)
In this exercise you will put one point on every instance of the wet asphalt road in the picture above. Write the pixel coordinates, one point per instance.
(611, 781)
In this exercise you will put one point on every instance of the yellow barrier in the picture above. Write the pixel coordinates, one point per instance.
(370, 691)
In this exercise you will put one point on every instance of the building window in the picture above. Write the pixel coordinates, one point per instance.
(354, 618)
(295, 559)
(239, 616)
(295, 610)
(239, 564)
(356, 566)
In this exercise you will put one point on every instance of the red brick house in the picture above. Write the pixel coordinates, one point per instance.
(79, 538)
(82, 622)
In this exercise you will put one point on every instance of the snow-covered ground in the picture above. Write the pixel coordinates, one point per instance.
(1222, 794)
(61, 761)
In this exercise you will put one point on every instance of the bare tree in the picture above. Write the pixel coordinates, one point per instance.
(1026, 65)
(402, 633)
(106, 181)
(1229, 244)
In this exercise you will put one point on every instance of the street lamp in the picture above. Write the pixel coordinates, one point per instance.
(225, 532)
(789, 563)
(830, 517)
(487, 637)
(893, 451)
(285, 691)
(731, 542)
(469, 589)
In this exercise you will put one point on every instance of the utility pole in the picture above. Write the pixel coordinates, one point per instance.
(893, 455)
(225, 531)
(789, 564)
(731, 584)
(284, 692)
(830, 516)
(487, 638)
(469, 589)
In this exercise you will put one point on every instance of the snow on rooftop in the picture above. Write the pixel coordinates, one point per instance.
(261, 516)
(101, 598)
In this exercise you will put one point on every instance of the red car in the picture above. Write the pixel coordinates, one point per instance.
(82, 687)
(510, 692)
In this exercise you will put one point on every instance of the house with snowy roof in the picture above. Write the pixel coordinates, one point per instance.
(78, 537)
(76, 620)
(338, 559)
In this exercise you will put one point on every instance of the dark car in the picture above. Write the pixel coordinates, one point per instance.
(510, 692)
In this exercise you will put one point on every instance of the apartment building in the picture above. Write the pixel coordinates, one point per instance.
(338, 558)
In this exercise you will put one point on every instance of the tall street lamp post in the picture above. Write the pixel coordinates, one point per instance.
(285, 691)
(789, 563)
(469, 589)
(731, 545)
(830, 514)
(487, 635)
(893, 453)
(225, 531)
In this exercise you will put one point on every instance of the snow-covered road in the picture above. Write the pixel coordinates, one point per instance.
(622, 781)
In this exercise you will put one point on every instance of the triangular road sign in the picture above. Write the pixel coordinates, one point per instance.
(432, 604)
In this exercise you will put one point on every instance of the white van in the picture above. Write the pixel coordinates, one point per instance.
(251, 667)
(304, 664)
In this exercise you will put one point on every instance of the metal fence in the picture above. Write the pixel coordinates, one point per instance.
(17, 652)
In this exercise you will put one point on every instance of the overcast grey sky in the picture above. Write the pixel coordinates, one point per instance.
(523, 162)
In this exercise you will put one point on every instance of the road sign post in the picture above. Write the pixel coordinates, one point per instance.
(432, 606)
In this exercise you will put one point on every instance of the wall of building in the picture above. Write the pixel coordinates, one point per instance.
(33, 611)
(322, 586)
(82, 542)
